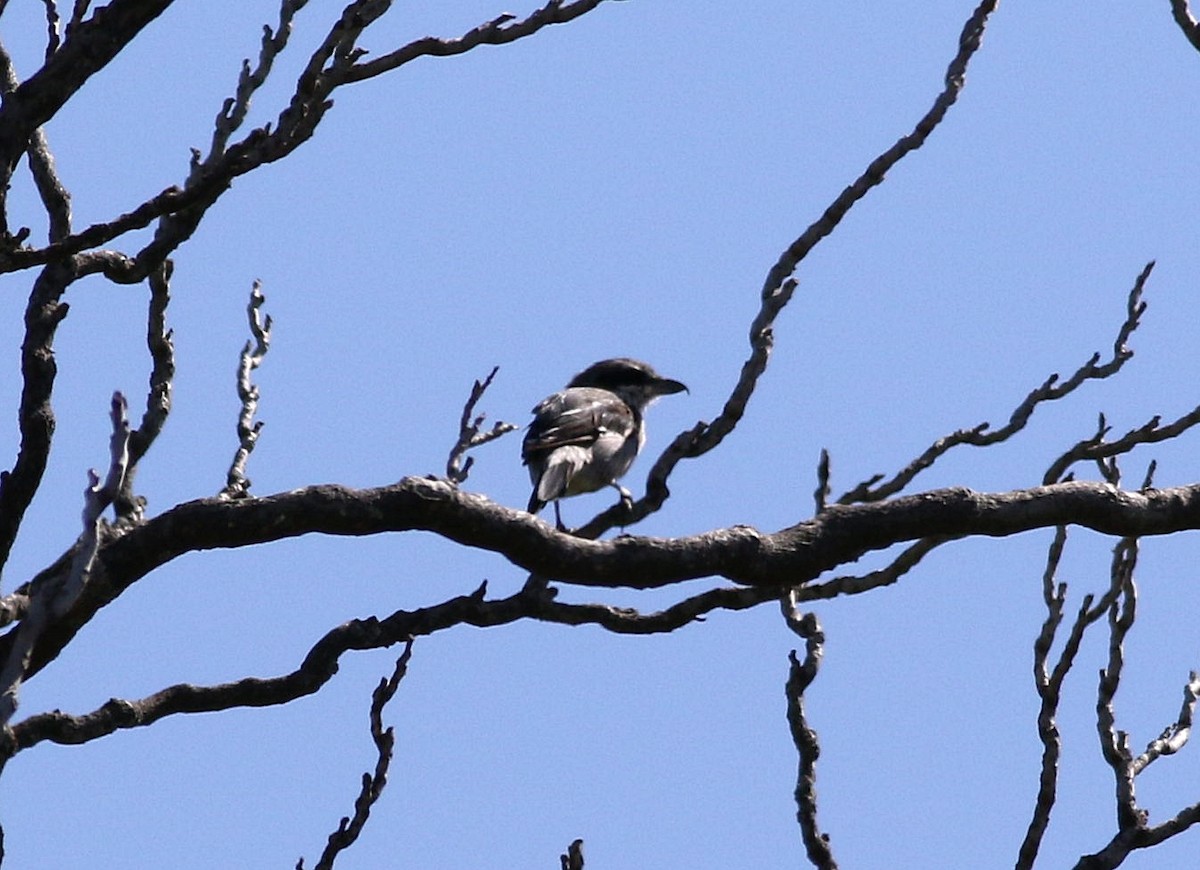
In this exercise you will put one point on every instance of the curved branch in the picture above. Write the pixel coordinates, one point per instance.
(43, 313)
(1051, 390)
(790, 557)
(780, 285)
(503, 29)
(1187, 23)
(321, 663)
(349, 829)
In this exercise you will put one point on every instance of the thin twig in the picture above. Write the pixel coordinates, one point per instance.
(234, 110)
(908, 559)
(372, 783)
(1054, 596)
(572, 859)
(469, 436)
(237, 485)
(1049, 391)
(320, 664)
(1114, 744)
(55, 599)
(804, 737)
(52, 24)
(1097, 449)
(80, 9)
(821, 494)
(1175, 736)
(502, 29)
(158, 397)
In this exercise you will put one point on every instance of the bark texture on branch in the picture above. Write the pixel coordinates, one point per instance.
(790, 557)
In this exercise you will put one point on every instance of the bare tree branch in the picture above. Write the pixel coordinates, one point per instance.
(804, 737)
(234, 110)
(1049, 687)
(52, 25)
(572, 859)
(55, 198)
(1175, 736)
(1133, 828)
(372, 784)
(821, 493)
(80, 9)
(320, 664)
(90, 46)
(792, 556)
(1187, 23)
(1114, 744)
(43, 313)
(52, 600)
(777, 291)
(333, 64)
(469, 435)
(1097, 449)
(503, 29)
(1051, 390)
(158, 398)
(237, 485)
(857, 584)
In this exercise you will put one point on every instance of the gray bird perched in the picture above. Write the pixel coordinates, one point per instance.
(586, 437)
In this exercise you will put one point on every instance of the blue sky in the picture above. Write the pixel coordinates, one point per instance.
(620, 186)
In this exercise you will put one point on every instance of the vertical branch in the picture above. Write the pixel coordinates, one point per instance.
(372, 784)
(233, 112)
(54, 599)
(77, 12)
(821, 494)
(1049, 684)
(52, 25)
(55, 198)
(469, 434)
(237, 485)
(44, 311)
(1114, 744)
(572, 859)
(1054, 596)
(804, 737)
(158, 398)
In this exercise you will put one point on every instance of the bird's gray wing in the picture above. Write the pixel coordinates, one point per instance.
(574, 418)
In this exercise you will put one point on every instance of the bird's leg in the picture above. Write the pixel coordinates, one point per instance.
(558, 518)
(626, 495)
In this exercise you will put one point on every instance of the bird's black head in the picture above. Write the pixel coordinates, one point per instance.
(629, 378)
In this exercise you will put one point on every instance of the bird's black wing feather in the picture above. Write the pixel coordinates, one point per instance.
(575, 417)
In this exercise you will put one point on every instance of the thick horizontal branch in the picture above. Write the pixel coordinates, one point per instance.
(789, 557)
(793, 556)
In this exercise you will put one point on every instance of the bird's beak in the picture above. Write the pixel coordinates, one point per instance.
(666, 386)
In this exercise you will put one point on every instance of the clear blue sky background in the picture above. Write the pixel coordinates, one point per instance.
(619, 186)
